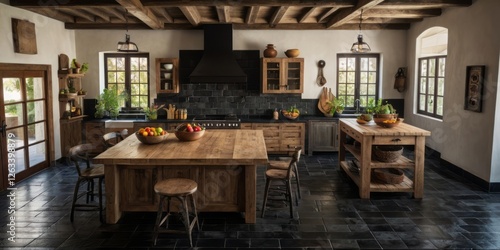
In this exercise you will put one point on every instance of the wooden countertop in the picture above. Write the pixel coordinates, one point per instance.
(371, 128)
(216, 147)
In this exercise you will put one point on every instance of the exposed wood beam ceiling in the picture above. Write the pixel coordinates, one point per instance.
(243, 14)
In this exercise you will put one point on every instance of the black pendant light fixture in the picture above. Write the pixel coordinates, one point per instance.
(360, 46)
(127, 46)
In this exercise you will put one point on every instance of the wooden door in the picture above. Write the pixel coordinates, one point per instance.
(25, 141)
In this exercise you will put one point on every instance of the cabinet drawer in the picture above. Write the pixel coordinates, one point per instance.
(350, 132)
(291, 127)
(394, 140)
(246, 126)
(291, 134)
(264, 126)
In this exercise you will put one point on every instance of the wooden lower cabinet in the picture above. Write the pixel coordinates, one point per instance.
(279, 137)
(219, 187)
(323, 136)
(71, 135)
(93, 135)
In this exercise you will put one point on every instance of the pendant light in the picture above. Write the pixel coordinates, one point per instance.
(127, 46)
(360, 46)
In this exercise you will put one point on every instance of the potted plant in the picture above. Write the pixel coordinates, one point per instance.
(152, 112)
(109, 102)
(383, 111)
(335, 107)
(75, 66)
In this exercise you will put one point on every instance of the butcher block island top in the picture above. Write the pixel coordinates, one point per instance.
(222, 162)
(370, 134)
(216, 147)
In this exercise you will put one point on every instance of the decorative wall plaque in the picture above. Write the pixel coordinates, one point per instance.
(474, 88)
(24, 36)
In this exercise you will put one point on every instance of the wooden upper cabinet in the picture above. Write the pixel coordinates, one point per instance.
(167, 75)
(283, 75)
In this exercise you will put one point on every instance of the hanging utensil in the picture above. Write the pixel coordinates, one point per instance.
(321, 80)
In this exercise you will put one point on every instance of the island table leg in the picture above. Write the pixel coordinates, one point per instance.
(250, 193)
(112, 180)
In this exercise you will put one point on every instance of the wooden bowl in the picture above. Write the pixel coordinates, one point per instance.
(292, 53)
(189, 136)
(362, 122)
(389, 125)
(151, 139)
(383, 117)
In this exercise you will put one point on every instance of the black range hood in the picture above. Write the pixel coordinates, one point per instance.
(218, 64)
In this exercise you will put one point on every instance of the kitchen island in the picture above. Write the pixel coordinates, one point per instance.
(222, 162)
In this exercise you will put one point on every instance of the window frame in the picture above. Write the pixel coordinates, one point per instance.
(436, 78)
(357, 81)
(128, 88)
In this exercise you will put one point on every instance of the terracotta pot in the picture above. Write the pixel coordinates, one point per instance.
(270, 52)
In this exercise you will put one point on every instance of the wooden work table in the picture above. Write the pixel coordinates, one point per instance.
(371, 134)
(222, 162)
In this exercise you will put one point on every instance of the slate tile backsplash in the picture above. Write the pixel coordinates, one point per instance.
(234, 98)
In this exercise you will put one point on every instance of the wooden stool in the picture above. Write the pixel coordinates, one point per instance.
(181, 189)
(283, 163)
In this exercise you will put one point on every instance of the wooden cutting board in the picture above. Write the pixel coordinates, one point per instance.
(325, 96)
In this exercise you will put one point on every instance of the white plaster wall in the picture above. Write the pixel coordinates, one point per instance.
(52, 40)
(314, 45)
(464, 138)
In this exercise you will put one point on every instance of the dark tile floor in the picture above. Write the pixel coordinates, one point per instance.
(453, 214)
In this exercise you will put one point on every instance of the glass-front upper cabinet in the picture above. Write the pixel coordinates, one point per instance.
(167, 77)
(282, 75)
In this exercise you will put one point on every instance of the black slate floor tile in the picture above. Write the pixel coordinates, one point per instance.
(453, 214)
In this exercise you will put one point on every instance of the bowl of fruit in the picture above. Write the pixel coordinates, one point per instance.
(292, 113)
(189, 131)
(390, 123)
(151, 135)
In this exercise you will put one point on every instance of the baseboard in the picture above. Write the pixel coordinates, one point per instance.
(490, 187)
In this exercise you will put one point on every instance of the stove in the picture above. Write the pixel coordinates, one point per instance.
(218, 121)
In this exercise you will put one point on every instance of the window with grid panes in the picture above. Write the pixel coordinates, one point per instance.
(129, 72)
(431, 86)
(357, 79)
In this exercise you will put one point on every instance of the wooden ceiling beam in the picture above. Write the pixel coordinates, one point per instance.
(54, 14)
(424, 4)
(277, 16)
(239, 3)
(307, 12)
(116, 13)
(386, 13)
(252, 13)
(65, 3)
(327, 14)
(78, 13)
(163, 12)
(97, 12)
(345, 15)
(192, 14)
(223, 12)
(136, 8)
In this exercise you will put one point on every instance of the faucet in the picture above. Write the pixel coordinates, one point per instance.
(356, 105)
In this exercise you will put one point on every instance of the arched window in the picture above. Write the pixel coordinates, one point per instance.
(432, 49)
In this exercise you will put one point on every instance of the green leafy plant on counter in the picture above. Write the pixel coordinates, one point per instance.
(336, 106)
(109, 102)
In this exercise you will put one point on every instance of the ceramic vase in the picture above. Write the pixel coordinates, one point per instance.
(270, 52)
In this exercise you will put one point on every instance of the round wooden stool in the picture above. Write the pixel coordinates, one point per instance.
(181, 189)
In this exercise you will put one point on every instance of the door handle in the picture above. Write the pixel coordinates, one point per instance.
(3, 128)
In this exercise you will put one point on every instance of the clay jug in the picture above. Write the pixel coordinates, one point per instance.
(270, 52)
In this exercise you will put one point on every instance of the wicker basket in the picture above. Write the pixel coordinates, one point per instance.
(387, 153)
(389, 175)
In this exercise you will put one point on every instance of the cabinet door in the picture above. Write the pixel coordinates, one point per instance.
(271, 135)
(93, 135)
(137, 188)
(323, 136)
(271, 75)
(71, 135)
(293, 75)
(167, 77)
(291, 135)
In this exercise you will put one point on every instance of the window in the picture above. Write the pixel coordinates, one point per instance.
(357, 79)
(129, 72)
(431, 51)
(431, 86)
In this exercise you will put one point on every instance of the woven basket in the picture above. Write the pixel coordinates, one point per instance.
(387, 153)
(389, 175)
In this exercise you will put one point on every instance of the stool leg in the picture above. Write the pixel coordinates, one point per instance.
(158, 219)
(186, 219)
(266, 192)
(75, 196)
(297, 179)
(193, 202)
(290, 196)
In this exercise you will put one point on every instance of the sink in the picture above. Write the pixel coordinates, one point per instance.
(119, 124)
(349, 115)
